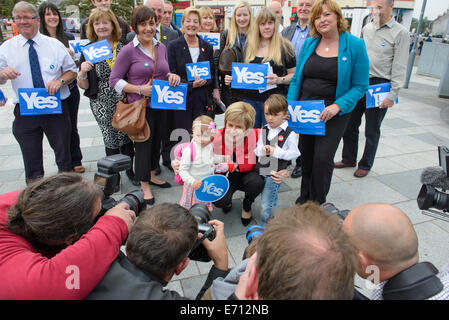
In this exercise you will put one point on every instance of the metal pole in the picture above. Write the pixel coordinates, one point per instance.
(411, 59)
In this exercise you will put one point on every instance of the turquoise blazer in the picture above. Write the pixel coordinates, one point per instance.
(353, 71)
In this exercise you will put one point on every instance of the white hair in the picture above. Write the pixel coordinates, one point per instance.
(145, 3)
(25, 6)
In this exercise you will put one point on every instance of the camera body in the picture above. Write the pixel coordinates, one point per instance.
(107, 178)
(202, 216)
(431, 200)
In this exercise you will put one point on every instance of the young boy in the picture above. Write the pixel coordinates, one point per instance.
(276, 146)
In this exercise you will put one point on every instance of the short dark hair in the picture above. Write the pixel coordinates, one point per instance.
(54, 208)
(141, 14)
(276, 103)
(304, 254)
(161, 238)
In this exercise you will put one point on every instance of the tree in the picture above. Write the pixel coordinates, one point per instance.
(122, 8)
(6, 6)
(424, 26)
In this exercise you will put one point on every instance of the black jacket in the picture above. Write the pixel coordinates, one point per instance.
(124, 281)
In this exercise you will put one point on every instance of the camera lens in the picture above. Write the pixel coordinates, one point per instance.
(135, 201)
(429, 197)
(200, 212)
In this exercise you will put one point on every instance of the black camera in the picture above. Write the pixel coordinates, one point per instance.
(202, 216)
(107, 178)
(435, 179)
(330, 209)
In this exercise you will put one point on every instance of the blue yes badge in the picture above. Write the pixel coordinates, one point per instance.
(164, 96)
(213, 188)
(377, 93)
(97, 51)
(212, 37)
(305, 117)
(201, 69)
(249, 76)
(37, 101)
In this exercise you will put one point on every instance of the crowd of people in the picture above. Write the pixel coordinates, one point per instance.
(55, 223)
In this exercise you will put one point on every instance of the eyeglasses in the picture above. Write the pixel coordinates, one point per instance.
(26, 19)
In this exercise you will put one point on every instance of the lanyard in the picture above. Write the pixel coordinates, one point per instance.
(114, 53)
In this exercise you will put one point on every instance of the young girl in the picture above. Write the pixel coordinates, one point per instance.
(203, 163)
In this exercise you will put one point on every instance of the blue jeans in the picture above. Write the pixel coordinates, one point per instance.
(269, 198)
(260, 114)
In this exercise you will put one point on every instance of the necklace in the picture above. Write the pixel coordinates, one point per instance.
(327, 49)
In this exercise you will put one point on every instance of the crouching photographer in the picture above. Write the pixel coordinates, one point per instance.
(388, 255)
(52, 243)
(158, 247)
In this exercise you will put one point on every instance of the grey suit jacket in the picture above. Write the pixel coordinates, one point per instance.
(167, 35)
(289, 32)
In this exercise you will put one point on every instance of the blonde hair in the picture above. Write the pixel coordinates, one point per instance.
(206, 11)
(234, 30)
(278, 47)
(188, 11)
(203, 122)
(317, 9)
(241, 112)
(101, 14)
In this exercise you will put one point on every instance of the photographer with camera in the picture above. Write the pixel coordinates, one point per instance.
(388, 255)
(51, 244)
(160, 246)
(303, 254)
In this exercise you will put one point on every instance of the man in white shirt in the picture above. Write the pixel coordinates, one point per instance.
(276, 7)
(32, 60)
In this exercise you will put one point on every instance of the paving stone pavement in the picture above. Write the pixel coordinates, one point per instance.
(411, 132)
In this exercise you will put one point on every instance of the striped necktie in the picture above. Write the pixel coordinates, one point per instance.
(36, 74)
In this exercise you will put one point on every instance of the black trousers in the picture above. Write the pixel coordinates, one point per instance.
(73, 102)
(148, 152)
(317, 157)
(373, 121)
(29, 131)
(251, 183)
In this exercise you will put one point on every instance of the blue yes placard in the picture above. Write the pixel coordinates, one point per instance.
(213, 188)
(201, 69)
(212, 37)
(377, 93)
(164, 96)
(37, 101)
(97, 51)
(2, 97)
(249, 76)
(77, 46)
(305, 117)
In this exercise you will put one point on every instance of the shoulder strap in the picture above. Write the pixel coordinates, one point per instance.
(227, 37)
(418, 282)
(192, 152)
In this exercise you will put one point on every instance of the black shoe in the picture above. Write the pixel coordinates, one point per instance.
(227, 208)
(297, 172)
(157, 171)
(162, 185)
(168, 165)
(149, 202)
(132, 179)
(245, 221)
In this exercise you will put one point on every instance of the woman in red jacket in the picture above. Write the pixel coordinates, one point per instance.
(50, 245)
(237, 142)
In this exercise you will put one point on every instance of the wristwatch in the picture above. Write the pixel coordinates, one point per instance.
(62, 81)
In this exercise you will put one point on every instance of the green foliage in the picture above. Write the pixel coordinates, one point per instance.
(7, 5)
(121, 8)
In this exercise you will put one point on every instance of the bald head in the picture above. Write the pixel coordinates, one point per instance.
(276, 7)
(383, 233)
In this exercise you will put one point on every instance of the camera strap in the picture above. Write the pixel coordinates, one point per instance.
(198, 242)
(418, 282)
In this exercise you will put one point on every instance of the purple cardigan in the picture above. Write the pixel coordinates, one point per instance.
(137, 68)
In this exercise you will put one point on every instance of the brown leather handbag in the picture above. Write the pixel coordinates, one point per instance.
(130, 118)
(227, 57)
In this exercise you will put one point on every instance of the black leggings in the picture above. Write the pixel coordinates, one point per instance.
(251, 183)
